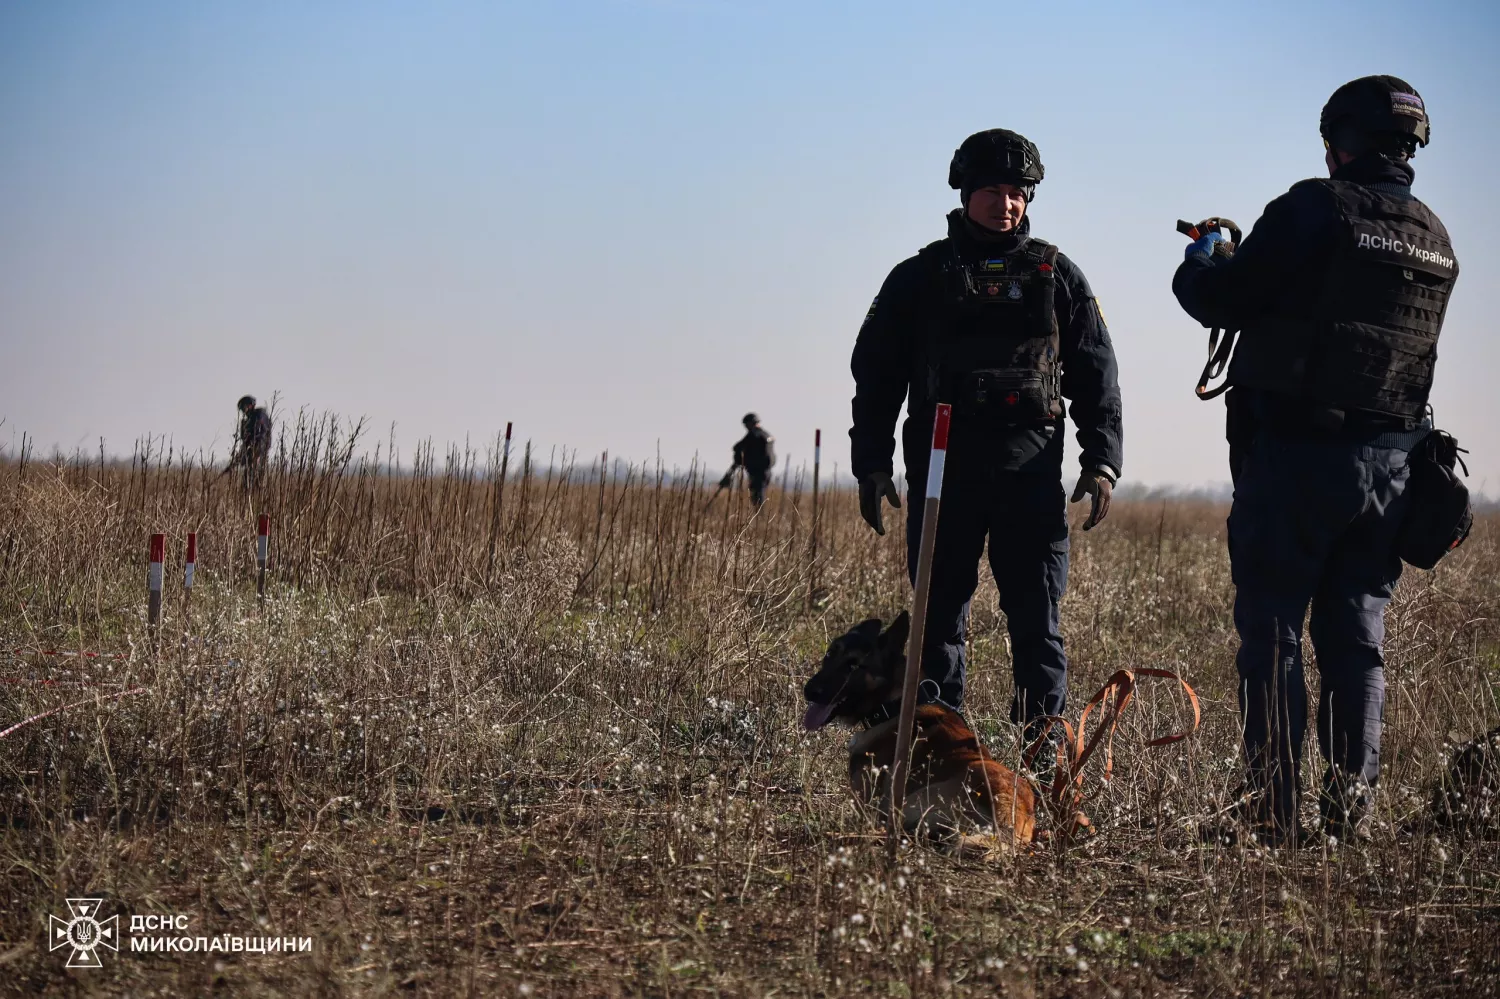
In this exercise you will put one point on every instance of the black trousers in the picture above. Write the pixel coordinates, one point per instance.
(1314, 524)
(1023, 516)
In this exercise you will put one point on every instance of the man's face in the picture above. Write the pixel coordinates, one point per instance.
(999, 207)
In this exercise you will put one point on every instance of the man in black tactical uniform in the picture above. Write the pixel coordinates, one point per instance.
(1339, 293)
(1003, 327)
(755, 454)
(252, 442)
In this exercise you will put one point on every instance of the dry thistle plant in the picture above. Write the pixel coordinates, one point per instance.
(539, 736)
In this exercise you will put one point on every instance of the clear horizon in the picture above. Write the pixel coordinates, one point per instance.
(621, 225)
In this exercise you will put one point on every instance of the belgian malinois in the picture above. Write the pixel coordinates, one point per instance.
(954, 787)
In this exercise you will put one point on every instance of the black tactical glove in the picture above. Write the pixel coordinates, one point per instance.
(1098, 487)
(728, 478)
(871, 488)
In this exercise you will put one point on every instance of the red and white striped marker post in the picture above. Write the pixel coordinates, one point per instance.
(189, 565)
(912, 679)
(153, 588)
(262, 549)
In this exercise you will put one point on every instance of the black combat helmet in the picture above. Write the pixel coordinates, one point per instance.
(1375, 112)
(750, 420)
(246, 403)
(995, 156)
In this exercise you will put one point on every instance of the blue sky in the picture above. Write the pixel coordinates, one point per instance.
(622, 225)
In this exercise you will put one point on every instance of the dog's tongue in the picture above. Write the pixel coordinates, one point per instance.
(817, 716)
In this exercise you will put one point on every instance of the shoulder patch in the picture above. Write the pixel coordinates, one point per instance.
(871, 314)
(1100, 309)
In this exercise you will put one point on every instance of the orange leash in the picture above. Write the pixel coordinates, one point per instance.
(1066, 791)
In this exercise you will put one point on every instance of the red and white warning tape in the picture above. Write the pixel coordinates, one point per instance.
(65, 653)
(64, 707)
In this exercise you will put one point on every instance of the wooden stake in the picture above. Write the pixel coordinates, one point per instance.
(489, 565)
(812, 567)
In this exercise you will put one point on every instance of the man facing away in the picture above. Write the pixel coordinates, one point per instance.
(1339, 293)
(1004, 328)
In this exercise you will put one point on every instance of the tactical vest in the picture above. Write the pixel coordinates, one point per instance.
(1368, 340)
(992, 347)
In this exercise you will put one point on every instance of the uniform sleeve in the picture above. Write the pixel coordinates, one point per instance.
(882, 365)
(1277, 262)
(1090, 373)
(739, 452)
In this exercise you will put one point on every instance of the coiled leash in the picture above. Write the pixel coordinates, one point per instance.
(1220, 343)
(1065, 796)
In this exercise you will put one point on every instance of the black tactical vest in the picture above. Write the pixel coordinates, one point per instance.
(991, 347)
(1368, 340)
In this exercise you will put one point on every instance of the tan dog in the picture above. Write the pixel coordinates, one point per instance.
(955, 785)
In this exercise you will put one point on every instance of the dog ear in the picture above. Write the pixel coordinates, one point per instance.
(868, 630)
(893, 642)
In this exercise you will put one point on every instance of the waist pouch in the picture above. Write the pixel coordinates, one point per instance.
(1006, 396)
(1439, 515)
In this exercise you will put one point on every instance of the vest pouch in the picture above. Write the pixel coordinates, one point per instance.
(1008, 396)
(1439, 514)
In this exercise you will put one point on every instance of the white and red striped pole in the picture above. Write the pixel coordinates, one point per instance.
(189, 565)
(153, 588)
(912, 680)
(262, 550)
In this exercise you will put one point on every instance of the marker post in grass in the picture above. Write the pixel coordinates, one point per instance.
(489, 565)
(262, 550)
(812, 573)
(189, 564)
(912, 681)
(153, 589)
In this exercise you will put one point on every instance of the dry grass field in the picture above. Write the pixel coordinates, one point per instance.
(544, 740)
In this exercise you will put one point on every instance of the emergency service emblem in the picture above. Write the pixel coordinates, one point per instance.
(1015, 291)
(85, 933)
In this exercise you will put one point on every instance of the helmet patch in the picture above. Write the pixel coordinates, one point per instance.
(1409, 104)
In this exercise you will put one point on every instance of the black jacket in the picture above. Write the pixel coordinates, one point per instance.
(890, 341)
(254, 436)
(754, 451)
(1280, 268)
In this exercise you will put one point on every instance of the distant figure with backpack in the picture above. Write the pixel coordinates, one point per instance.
(756, 455)
(252, 442)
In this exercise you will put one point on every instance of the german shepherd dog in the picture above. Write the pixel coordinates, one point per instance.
(954, 785)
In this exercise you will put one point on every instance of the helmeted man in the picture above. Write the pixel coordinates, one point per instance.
(1003, 327)
(1339, 293)
(252, 442)
(756, 454)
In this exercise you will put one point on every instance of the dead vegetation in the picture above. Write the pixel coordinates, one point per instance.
(542, 739)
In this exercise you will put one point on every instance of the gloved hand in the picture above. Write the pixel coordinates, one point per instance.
(1203, 246)
(871, 488)
(1098, 487)
(728, 478)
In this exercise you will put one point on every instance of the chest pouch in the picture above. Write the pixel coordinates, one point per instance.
(1008, 395)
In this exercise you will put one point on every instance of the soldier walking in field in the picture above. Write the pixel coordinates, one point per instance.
(252, 441)
(1339, 295)
(756, 455)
